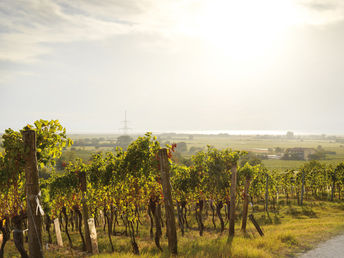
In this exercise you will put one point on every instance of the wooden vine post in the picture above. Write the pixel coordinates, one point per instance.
(302, 186)
(253, 220)
(267, 194)
(32, 194)
(58, 232)
(82, 179)
(245, 205)
(166, 186)
(233, 199)
(93, 236)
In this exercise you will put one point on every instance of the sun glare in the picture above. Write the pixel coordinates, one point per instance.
(245, 29)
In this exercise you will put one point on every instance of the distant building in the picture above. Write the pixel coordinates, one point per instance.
(298, 153)
(274, 156)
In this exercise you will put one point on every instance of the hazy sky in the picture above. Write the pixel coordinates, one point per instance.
(173, 64)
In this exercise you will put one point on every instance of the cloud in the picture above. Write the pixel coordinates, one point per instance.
(320, 12)
(28, 28)
(320, 6)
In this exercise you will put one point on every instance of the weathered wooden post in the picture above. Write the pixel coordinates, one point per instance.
(166, 186)
(245, 205)
(267, 194)
(102, 219)
(32, 194)
(260, 231)
(302, 187)
(93, 236)
(58, 232)
(82, 178)
(333, 189)
(234, 169)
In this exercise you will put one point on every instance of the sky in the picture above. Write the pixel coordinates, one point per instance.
(173, 65)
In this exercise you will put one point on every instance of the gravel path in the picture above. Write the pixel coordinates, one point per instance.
(332, 248)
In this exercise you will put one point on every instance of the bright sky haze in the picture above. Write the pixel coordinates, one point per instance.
(174, 65)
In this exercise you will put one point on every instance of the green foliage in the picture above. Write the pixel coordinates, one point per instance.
(12, 162)
(140, 158)
(251, 158)
(247, 171)
(338, 173)
(257, 187)
(50, 140)
(181, 182)
(218, 174)
(211, 172)
(315, 175)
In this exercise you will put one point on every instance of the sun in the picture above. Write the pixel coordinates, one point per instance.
(243, 29)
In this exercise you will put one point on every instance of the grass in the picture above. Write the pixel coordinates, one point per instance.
(288, 231)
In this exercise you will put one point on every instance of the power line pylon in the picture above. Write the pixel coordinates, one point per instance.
(125, 128)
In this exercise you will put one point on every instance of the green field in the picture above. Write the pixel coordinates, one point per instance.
(250, 143)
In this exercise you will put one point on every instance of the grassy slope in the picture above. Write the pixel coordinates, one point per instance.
(287, 232)
(293, 230)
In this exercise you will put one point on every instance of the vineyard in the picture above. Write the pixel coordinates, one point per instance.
(141, 195)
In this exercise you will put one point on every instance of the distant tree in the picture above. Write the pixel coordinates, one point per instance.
(182, 147)
(95, 141)
(194, 149)
(278, 150)
(179, 159)
(251, 159)
(317, 156)
(290, 135)
(123, 141)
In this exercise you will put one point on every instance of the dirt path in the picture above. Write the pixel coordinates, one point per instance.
(332, 248)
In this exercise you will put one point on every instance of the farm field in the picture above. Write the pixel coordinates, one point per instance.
(250, 143)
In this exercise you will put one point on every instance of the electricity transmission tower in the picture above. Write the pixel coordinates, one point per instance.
(125, 127)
